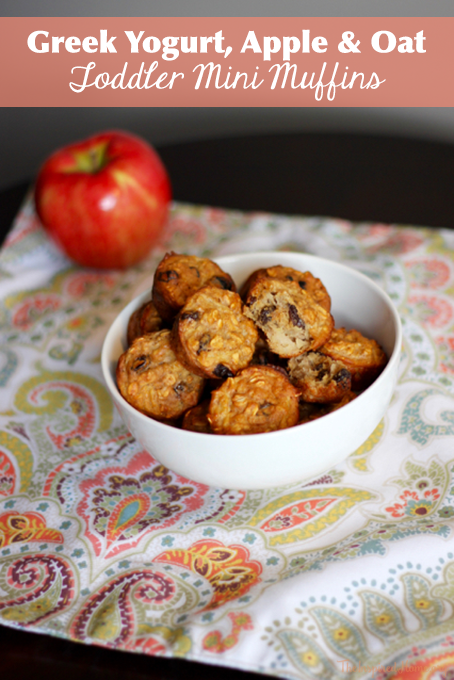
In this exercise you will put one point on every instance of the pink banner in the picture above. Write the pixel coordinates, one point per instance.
(226, 61)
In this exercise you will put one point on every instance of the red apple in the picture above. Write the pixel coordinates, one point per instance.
(104, 200)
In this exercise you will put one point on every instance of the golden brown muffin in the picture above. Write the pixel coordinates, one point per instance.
(364, 358)
(289, 317)
(319, 378)
(305, 280)
(144, 320)
(177, 277)
(211, 336)
(258, 399)
(151, 379)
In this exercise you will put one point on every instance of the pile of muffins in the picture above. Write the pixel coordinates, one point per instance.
(207, 358)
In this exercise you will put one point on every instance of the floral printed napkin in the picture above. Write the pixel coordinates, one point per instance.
(349, 576)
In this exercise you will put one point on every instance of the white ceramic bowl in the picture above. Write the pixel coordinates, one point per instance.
(286, 456)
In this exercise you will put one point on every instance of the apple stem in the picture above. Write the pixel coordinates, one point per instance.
(93, 160)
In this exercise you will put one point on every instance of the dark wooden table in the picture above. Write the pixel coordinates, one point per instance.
(356, 177)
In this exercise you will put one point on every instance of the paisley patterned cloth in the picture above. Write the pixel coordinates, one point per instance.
(349, 576)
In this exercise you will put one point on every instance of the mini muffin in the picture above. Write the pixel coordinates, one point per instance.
(144, 320)
(319, 378)
(177, 277)
(305, 280)
(289, 317)
(211, 336)
(196, 418)
(258, 399)
(364, 358)
(151, 379)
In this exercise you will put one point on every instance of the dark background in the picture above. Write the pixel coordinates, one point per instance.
(353, 176)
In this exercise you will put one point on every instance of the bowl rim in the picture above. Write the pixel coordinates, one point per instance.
(144, 296)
